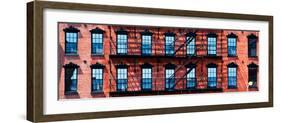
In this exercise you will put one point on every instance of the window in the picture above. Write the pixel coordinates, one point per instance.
(169, 77)
(97, 41)
(190, 47)
(71, 76)
(232, 75)
(212, 44)
(252, 45)
(212, 75)
(97, 77)
(169, 44)
(122, 79)
(146, 45)
(71, 40)
(146, 77)
(191, 76)
(122, 40)
(231, 44)
(252, 75)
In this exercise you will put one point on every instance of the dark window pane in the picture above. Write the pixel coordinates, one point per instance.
(71, 42)
(170, 79)
(97, 79)
(169, 45)
(191, 78)
(97, 43)
(122, 44)
(122, 79)
(190, 48)
(146, 45)
(212, 77)
(231, 46)
(71, 79)
(146, 79)
(252, 47)
(212, 45)
(252, 77)
(232, 77)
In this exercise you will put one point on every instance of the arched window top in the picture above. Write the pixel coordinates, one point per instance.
(252, 36)
(71, 29)
(97, 30)
(122, 65)
(169, 33)
(146, 65)
(121, 31)
(97, 65)
(191, 34)
(231, 35)
(212, 34)
(170, 66)
(190, 65)
(232, 64)
(71, 65)
(211, 65)
(253, 65)
(146, 32)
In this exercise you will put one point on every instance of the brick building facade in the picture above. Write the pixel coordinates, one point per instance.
(117, 60)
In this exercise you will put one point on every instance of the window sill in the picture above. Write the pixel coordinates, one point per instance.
(121, 90)
(71, 54)
(71, 93)
(97, 55)
(121, 54)
(146, 55)
(191, 88)
(170, 55)
(232, 87)
(169, 89)
(210, 55)
(232, 56)
(97, 92)
(253, 87)
(191, 55)
(146, 90)
(211, 87)
(252, 56)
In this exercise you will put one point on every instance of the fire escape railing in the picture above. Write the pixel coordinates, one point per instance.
(134, 48)
(158, 49)
(185, 61)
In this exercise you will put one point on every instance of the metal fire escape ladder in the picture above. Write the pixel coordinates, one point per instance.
(112, 44)
(111, 77)
(134, 86)
(183, 76)
(110, 71)
(188, 41)
(185, 61)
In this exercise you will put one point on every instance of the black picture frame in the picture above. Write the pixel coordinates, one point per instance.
(35, 112)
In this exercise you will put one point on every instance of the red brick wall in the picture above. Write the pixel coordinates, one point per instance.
(84, 58)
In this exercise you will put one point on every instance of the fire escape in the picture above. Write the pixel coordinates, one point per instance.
(158, 53)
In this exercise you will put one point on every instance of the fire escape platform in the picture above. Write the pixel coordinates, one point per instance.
(164, 92)
(163, 56)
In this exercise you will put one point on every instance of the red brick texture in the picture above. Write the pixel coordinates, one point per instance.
(85, 59)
